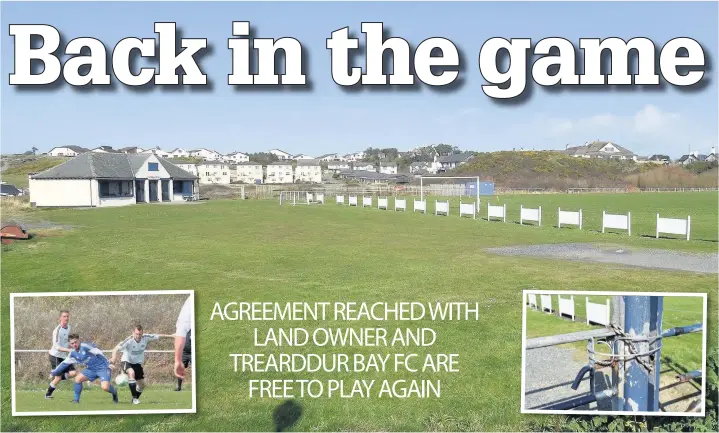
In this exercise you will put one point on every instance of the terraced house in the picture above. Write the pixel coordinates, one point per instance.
(308, 170)
(250, 172)
(95, 179)
(214, 172)
(280, 172)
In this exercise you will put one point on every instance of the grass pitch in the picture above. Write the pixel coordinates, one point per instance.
(259, 251)
(153, 398)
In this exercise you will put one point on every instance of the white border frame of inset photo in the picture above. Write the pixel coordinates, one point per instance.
(191, 293)
(527, 292)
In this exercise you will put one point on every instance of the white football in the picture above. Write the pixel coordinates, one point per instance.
(121, 379)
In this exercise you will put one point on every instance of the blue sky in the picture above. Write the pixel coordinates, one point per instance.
(329, 119)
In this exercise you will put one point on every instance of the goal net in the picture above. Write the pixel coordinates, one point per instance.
(294, 198)
(447, 186)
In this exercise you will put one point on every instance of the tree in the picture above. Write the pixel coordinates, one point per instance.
(264, 158)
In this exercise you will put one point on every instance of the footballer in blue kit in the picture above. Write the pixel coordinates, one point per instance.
(97, 367)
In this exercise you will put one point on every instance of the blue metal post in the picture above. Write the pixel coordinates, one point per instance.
(643, 321)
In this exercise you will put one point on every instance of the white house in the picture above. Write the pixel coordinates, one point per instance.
(280, 172)
(712, 156)
(67, 151)
(130, 149)
(237, 157)
(211, 172)
(449, 162)
(156, 151)
(302, 156)
(357, 156)
(205, 154)
(421, 166)
(388, 168)
(364, 166)
(250, 172)
(104, 149)
(179, 153)
(96, 179)
(308, 170)
(337, 166)
(281, 154)
(331, 157)
(601, 149)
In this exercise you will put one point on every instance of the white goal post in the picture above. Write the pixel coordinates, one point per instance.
(471, 180)
(296, 197)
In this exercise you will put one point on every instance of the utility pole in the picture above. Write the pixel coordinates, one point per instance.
(636, 375)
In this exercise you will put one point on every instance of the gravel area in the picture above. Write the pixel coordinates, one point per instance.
(645, 258)
(549, 373)
(30, 225)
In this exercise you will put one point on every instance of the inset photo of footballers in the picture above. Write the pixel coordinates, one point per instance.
(93, 353)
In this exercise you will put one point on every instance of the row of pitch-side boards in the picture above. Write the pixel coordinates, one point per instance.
(675, 226)
(596, 313)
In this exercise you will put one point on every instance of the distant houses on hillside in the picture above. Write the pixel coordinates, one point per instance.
(237, 167)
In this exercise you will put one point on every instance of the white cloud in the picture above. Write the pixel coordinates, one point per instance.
(652, 120)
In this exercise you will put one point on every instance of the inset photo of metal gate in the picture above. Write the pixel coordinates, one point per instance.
(614, 353)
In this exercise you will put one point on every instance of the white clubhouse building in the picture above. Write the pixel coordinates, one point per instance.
(111, 179)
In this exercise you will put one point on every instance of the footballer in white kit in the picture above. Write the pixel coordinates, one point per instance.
(59, 351)
(133, 356)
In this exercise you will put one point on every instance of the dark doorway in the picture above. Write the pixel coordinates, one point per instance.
(140, 191)
(165, 190)
(153, 190)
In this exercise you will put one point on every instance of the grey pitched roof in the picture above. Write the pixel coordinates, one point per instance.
(176, 172)
(308, 162)
(455, 157)
(691, 155)
(248, 163)
(594, 148)
(94, 165)
(77, 149)
(9, 189)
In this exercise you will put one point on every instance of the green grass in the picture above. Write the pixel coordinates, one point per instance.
(153, 398)
(231, 251)
(684, 350)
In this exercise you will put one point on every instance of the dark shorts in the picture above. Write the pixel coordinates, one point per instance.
(137, 368)
(55, 361)
(186, 357)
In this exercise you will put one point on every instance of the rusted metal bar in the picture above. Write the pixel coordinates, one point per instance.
(555, 340)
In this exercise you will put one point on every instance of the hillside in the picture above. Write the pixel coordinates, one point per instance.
(15, 168)
(554, 170)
